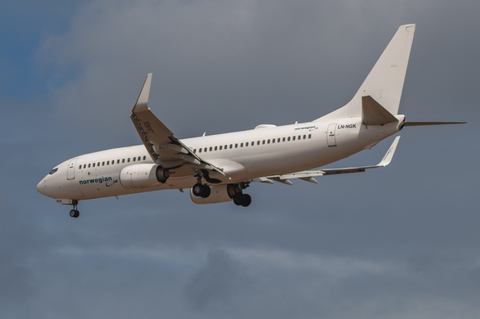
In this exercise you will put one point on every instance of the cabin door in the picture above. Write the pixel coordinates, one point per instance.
(71, 169)
(331, 140)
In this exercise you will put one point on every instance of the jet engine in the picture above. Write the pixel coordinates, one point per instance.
(143, 175)
(218, 194)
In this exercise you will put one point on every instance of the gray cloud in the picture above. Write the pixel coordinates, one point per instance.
(215, 284)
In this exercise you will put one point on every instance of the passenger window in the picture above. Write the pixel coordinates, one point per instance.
(253, 143)
(273, 141)
(199, 150)
(89, 165)
(80, 167)
(283, 139)
(263, 142)
(236, 145)
(210, 148)
(195, 150)
(299, 137)
(220, 147)
(278, 140)
(304, 137)
(246, 144)
(93, 165)
(128, 160)
(241, 144)
(215, 148)
(309, 135)
(258, 142)
(226, 147)
(205, 149)
(288, 139)
(134, 159)
(84, 165)
(144, 158)
(231, 145)
(293, 138)
(108, 162)
(123, 160)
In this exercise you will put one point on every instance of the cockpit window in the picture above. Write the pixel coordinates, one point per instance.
(53, 171)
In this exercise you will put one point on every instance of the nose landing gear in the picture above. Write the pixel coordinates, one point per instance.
(74, 212)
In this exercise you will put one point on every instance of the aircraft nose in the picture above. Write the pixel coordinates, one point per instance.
(42, 187)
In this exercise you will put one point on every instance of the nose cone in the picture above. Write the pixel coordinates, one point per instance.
(42, 187)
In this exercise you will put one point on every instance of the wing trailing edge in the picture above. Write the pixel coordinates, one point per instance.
(308, 175)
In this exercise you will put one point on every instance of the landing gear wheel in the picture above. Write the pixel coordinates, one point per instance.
(246, 200)
(206, 191)
(237, 199)
(241, 199)
(200, 190)
(74, 213)
(197, 189)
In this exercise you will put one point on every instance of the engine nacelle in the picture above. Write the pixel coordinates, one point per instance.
(143, 175)
(218, 194)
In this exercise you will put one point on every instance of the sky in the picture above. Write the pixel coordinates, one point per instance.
(398, 242)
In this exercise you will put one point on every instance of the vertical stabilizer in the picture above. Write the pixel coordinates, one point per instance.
(384, 83)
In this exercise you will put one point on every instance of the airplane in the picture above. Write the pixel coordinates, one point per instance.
(218, 168)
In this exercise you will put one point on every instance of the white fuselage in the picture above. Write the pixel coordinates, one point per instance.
(245, 155)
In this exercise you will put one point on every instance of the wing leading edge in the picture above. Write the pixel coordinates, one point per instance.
(308, 176)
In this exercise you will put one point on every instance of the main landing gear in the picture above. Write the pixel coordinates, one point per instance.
(201, 190)
(241, 199)
(74, 212)
(234, 191)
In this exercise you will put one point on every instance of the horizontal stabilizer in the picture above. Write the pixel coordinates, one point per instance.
(375, 114)
(430, 123)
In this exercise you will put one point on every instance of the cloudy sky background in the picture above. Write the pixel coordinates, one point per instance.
(400, 242)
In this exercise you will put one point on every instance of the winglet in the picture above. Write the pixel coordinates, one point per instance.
(389, 155)
(142, 101)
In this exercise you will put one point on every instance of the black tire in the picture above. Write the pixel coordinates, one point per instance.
(74, 213)
(238, 199)
(197, 190)
(205, 191)
(246, 200)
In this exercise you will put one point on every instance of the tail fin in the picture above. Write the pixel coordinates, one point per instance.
(384, 83)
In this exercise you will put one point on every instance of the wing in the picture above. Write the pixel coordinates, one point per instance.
(308, 176)
(163, 147)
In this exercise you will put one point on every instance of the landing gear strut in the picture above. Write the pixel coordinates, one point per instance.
(74, 212)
